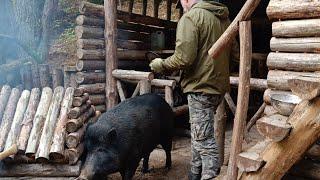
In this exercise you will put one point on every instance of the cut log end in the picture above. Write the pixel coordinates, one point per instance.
(56, 156)
(71, 125)
(249, 161)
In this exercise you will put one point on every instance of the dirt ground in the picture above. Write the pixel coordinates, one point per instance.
(180, 159)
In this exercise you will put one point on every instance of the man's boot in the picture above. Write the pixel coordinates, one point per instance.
(194, 176)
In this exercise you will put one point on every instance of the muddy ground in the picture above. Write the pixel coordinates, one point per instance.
(180, 160)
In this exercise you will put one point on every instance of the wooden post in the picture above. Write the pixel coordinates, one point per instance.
(57, 77)
(230, 102)
(144, 8)
(243, 97)
(169, 95)
(49, 125)
(58, 141)
(120, 91)
(44, 75)
(8, 116)
(145, 87)
(27, 122)
(232, 30)
(169, 5)
(131, 3)
(26, 75)
(136, 90)
(38, 121)
(220, 120)
(35, 76)
(74, 154)
(110, 8)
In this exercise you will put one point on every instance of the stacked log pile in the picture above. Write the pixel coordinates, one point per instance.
(293, 69)
(79, 116)
(43, 127)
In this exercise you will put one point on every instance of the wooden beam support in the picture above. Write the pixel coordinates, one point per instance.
(120, 91)
(220, 120)
(227, 37)
(132, 75)
(230, 103)
(256, 116)
(255, 84)
(243, 97)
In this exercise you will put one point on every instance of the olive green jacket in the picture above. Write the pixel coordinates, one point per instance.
(197, 31)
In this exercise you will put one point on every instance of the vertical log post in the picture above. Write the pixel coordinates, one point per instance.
(4, 97)
(169, 5)
(35, 76)
(169, 95)
(243, 97)
(131, 2)
(26, 75)
(145, 87)
(110, 8)
(156, 4)
(220, 119)
(57, 78)
(144, 8)
(44, 75)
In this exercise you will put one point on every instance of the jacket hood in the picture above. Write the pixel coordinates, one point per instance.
(218, 9)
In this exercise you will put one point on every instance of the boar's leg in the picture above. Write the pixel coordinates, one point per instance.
(131, 168)
(167, 146)
(145, 165)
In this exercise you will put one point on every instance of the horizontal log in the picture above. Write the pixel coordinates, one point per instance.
(97, 99)
(90, 77)
(267, 94)
(269, 110)
(90, 65)
(298, 9)
(255, 84)
(87, 8)
(75, 112)
(79, 101)
(132, 75)
(40, 170)
(98, 88)
(90, 44)
(251, 160)
(294, 61)
(304, 44)
(296, 28)
(307, 88)
(279, 79)
(74, 124)
(74, 139)
(99, 54)
(89, 32)
(163, 83)
(83, 20)
(74, 154)
(274, 127)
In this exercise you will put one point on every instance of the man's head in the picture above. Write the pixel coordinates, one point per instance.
(187, 4)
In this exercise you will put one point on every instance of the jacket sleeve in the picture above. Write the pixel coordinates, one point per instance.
(186, 46)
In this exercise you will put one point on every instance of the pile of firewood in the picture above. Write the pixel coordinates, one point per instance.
(82, 113)
(293, 69)
(34, 124)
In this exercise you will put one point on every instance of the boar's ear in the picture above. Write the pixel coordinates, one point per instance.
(112, 135)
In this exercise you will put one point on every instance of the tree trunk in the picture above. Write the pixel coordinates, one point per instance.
(90, 77)
(307, 44)
(13, 134)
(58, 141)
(296, 28)
(38, 121)
(286, 9)
(294, 61)
(44, 75)
(49, 126)
(27, 122)
(8, 116)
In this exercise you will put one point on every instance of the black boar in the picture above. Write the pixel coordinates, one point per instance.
(126, 134)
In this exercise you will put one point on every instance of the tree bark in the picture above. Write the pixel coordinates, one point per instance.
(44, 75)
(89, 32)
(38, 122)
(74, 124)
(145, 87)
(13, 134)
(27, 121)
(4, 98)
(280, 156)
(90, 77)
(88, 65)
(57, 78)
(255, 84)
(43, 151)
(97, 88)
(35, 76)
(75, 112)
(220, 120)
(294, 61)
(78, 101)
(304, 44)
(58, 141)
(286, 9)
(132, 75)
(97, 99)
(296, 28)
(279, 79)
(8, 116)
(307, 88)
(120, 91)
(243, 97)
(40, 170)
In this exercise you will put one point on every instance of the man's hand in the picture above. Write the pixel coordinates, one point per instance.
(156, 65)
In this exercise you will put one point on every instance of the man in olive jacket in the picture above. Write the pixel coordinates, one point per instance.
(204, 79)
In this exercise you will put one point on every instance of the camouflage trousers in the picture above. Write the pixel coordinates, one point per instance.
(205, 159)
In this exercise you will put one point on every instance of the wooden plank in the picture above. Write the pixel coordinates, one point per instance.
(304, 44)
(296, 28)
